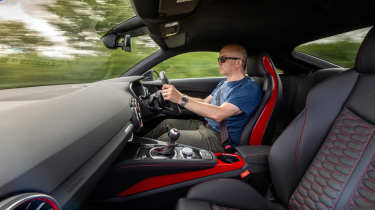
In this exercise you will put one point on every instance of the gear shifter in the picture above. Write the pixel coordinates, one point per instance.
(173, 135)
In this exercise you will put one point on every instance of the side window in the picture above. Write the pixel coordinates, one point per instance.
(340, 49)
(191, 65)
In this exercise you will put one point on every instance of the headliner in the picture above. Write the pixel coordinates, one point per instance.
(260, 25)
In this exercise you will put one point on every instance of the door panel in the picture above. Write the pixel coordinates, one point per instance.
(195, 87)
(199, 88)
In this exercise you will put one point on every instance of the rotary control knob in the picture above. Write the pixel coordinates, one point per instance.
(188, 152)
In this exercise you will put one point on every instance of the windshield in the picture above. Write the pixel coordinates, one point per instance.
(45, 42)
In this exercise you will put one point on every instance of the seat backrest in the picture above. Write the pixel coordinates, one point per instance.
(262, 70)
(326, 156)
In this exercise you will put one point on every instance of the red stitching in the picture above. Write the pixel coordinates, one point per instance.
(302, 131)
(327, 185)
(365, 198)
(360, 180)
(324, 203)
(356, 163)
(339, 163)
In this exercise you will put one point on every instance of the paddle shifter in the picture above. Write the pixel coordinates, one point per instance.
(173, 135)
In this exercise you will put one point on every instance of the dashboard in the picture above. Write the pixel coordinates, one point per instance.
(58, 141)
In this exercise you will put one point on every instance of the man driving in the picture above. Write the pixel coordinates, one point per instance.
(226, 110)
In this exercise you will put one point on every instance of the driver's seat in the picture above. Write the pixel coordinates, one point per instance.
(263, 71)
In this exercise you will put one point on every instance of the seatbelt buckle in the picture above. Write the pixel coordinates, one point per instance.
(245, 174)
(229, 149)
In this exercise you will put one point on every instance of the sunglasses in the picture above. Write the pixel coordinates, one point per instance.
(222, 59)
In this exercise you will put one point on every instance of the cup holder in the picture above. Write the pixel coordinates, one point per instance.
(228, 158)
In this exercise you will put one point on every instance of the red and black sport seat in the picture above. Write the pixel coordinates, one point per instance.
(325, 159)
(262, 69)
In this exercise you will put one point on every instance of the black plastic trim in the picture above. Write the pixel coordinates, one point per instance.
(322, 64)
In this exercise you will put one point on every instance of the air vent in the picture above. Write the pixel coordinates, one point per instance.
(30, 201)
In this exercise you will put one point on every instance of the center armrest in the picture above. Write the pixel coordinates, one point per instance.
(255, 156)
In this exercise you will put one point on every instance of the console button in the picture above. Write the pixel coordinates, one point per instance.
(205, 154)
(187, 151)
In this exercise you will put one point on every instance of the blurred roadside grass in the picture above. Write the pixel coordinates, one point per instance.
(24, 70)
(29, 69)
(342, 53)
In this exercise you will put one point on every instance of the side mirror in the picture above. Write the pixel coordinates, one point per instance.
(150, 75)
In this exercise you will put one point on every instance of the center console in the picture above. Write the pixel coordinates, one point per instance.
(149, 166)
(157, 150)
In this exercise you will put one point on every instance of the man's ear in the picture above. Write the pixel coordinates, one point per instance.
(241, 63)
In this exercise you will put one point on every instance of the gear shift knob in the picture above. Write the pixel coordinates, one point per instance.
(168, 151)
(173, 135)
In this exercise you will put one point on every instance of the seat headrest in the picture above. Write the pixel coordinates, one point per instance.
(252, 67)
(365, 62)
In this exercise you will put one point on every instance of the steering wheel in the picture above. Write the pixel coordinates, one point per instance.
(167, 105)
(163, 78)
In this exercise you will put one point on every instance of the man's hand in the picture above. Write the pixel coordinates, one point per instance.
(170, 93)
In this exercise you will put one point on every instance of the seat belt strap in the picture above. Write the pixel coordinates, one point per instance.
(224, 135)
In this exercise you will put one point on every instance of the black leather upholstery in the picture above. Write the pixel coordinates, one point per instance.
(256, 157)
(227, 193)
(298, 87)
(335, 164)
(361, 100)
(325, 159)
(294, 150)
(252, 67)
(256, 69)
(365, 62)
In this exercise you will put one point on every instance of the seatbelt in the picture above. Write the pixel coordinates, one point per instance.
(224, 135)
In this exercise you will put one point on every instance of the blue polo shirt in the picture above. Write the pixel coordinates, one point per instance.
(246, 95)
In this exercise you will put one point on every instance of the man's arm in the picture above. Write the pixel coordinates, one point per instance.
(203, 100)
(202, 106)
(217, 113)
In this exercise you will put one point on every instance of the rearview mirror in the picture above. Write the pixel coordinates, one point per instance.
(112, 41)
(126, 43)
